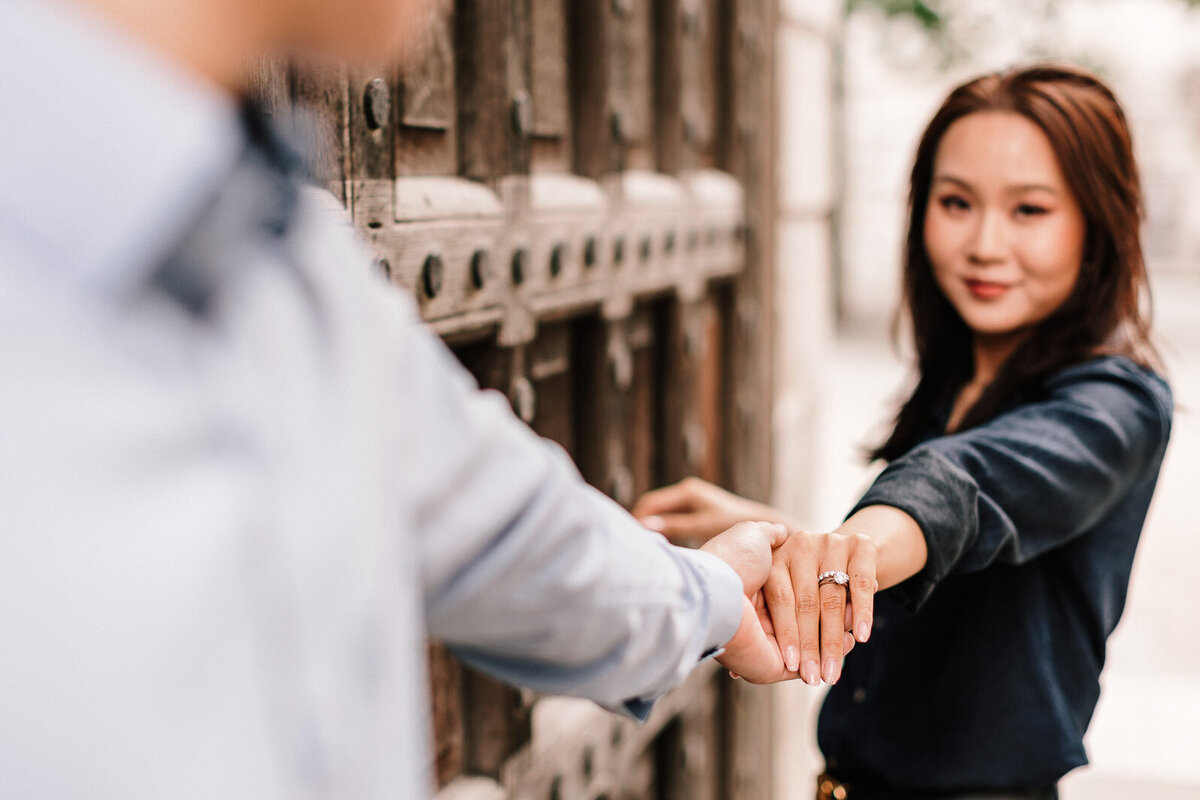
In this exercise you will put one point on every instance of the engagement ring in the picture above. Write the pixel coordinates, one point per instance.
(833, 576)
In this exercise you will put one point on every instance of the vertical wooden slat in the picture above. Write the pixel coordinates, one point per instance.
(445, 689)
(668, 85)
(496, 723)
(426, 102)
(750, 152)
(707, 456)
(641, 434)
(631, 92)
(588, 55)
(700, 93)
(496, 111)
(549, 365)
(686, 83)
(321, 95)
(548, 85)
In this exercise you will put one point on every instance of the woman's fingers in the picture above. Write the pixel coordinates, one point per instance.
(802, 580)
(781, 603)
(833, 608)
(863, 585)
(687, 495)
(696, 525)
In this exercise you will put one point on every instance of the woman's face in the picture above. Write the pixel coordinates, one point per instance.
(1003, 231)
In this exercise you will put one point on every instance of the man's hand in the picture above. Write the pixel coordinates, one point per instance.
(752, 653)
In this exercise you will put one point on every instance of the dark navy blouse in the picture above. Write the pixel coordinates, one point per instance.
(983, 669)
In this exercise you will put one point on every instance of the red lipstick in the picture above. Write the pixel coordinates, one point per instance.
(986, 290)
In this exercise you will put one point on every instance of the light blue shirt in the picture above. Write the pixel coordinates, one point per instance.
(225, 536)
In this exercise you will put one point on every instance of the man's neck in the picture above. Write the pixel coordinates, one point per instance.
(216, 40)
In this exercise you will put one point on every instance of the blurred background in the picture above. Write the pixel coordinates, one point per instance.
(887, 65)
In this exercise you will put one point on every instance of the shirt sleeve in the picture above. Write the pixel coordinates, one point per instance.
(533, 575)
(1033, 478)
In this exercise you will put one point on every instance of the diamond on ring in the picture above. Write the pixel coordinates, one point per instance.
(833, 576)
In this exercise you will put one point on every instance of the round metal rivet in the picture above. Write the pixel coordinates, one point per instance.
(481, 268)
(432, 274)
(520, 260)
(377, 103)
(558, 258)
(619, 250)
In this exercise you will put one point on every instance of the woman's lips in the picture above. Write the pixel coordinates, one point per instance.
(986, 290)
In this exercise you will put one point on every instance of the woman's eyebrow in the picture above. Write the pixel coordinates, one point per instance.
(943, 178)
(1014, 189)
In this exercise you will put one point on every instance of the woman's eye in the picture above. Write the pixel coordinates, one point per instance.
(1030, 210)
(953, 202)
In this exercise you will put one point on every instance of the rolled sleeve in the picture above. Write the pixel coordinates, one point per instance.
(1030, 479)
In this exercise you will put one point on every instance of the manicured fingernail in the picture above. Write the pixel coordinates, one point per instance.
(831, 670)
(792, 659)
(862, 631)
(653, 522)
(812, 673)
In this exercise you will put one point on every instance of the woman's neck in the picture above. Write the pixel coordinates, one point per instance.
(989, 354)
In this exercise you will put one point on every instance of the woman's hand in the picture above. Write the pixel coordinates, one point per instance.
(697, 510)
(813, 623)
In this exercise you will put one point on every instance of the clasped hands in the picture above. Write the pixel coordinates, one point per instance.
(791, 627)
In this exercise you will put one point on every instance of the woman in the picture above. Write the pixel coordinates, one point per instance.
(1019, 470)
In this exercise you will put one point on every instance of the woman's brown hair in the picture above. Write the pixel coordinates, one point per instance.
(1104, 313)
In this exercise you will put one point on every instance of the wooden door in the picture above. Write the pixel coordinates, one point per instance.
(579, 194)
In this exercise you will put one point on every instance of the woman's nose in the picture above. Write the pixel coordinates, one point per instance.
(987, 243)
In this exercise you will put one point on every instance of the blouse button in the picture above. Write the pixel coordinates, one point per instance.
(860, 694)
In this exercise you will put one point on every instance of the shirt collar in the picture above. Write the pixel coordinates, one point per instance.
(109, 148)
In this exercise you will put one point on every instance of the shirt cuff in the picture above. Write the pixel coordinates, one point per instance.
(722, 594)
(724, 589)
(942, 500)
